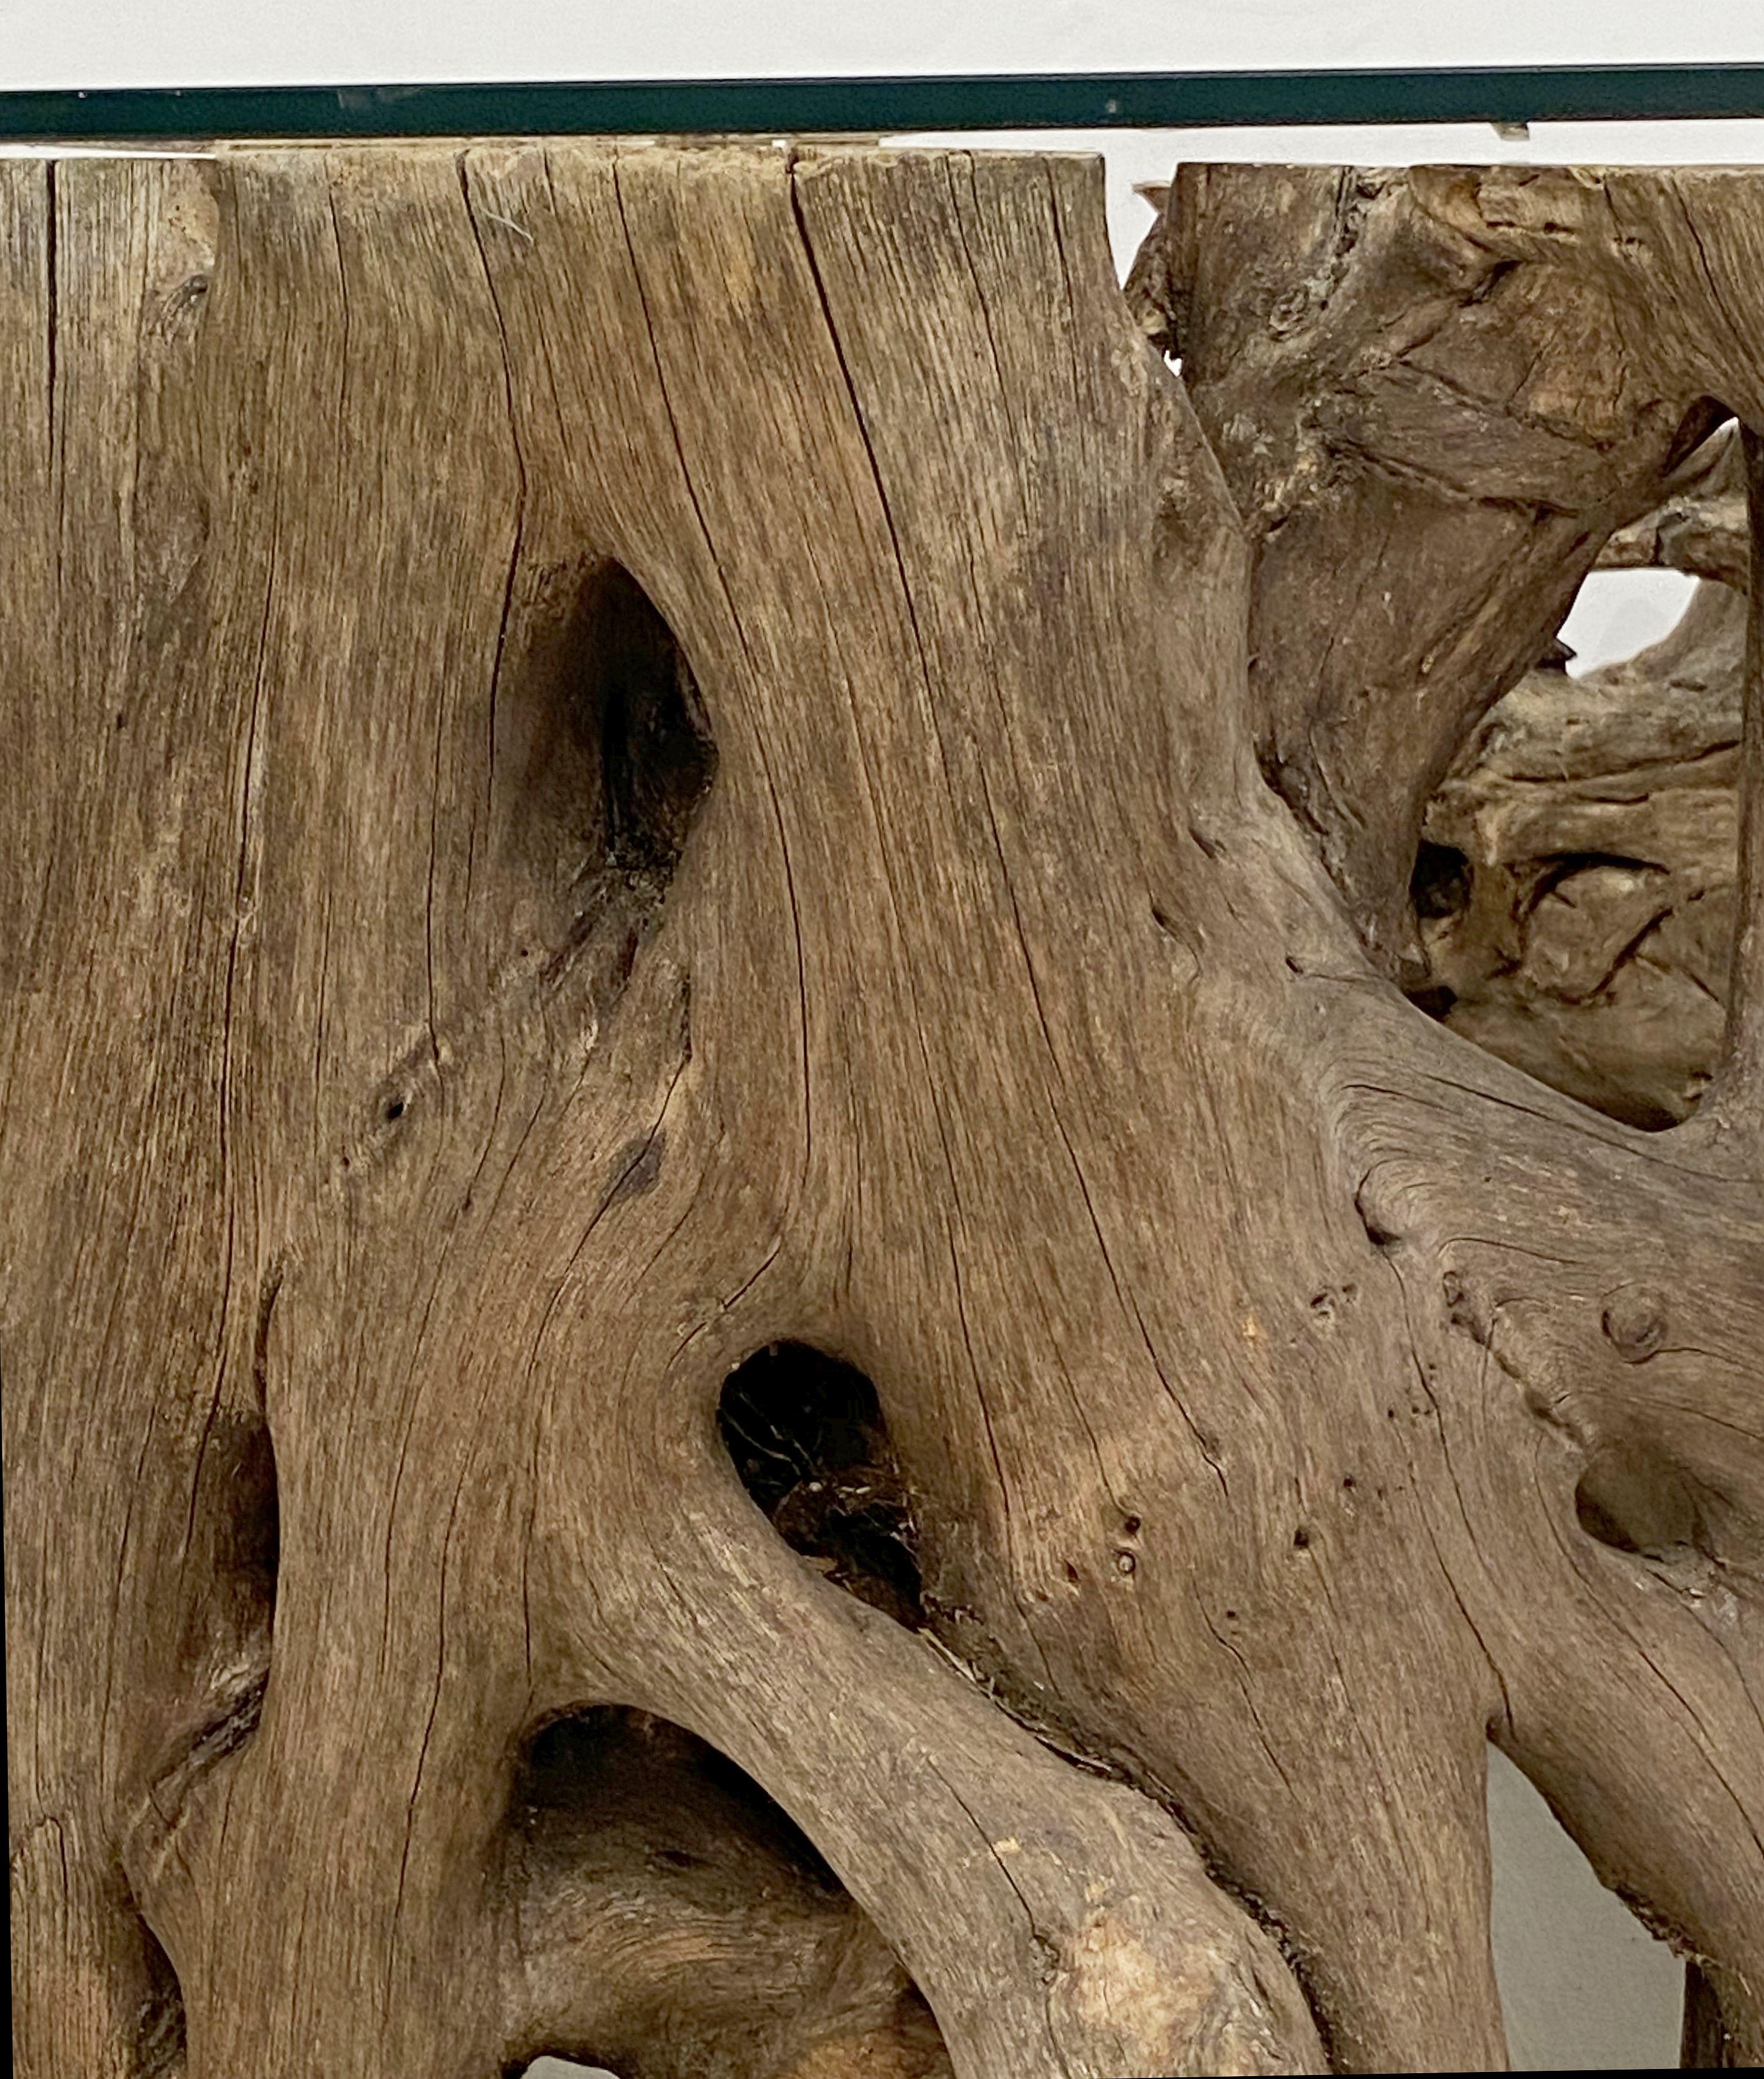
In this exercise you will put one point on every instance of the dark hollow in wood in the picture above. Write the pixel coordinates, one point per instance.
(690, 1930)
(1576, 891)
(806, 1436)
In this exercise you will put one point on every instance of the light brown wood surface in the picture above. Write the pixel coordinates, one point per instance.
(617, 756)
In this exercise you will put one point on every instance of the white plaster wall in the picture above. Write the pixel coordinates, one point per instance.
(187, 43)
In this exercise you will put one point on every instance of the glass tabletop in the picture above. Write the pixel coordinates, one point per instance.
(869, 105)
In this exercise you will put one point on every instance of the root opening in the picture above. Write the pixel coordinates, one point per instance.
(676, 1924)
(1633, 1502)
(1574, 892)
(807, 1438)
(601, 758)
(160, 2045)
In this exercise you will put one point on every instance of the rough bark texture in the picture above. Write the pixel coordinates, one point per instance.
(1576, 886)
(1469, 378)
(621, 756)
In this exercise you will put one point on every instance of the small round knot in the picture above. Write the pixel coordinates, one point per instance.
(1635, 1322)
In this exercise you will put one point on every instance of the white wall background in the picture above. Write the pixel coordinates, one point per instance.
(188, 43)
(1583, 1984)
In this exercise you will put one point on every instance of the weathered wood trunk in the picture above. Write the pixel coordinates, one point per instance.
(617, 758)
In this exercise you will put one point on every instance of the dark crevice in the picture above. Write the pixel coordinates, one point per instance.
(1700, 424)
(609, 1769)
(608, 751)
(1705, 2042)
(1635, 1501)
(606, 722)
(1378, 1232)
(229, 1583)
(1435, 998)
(160, 2044)
(232, 1564)
(734, 1949)
(239, 1521)
(806, 1436)
(638, 696)
(1441, 885)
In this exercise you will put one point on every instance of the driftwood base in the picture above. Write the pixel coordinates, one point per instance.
(619, 757)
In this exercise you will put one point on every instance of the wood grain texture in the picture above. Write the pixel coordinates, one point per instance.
(1476, 375)
(1578, 896)
(625, 755)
